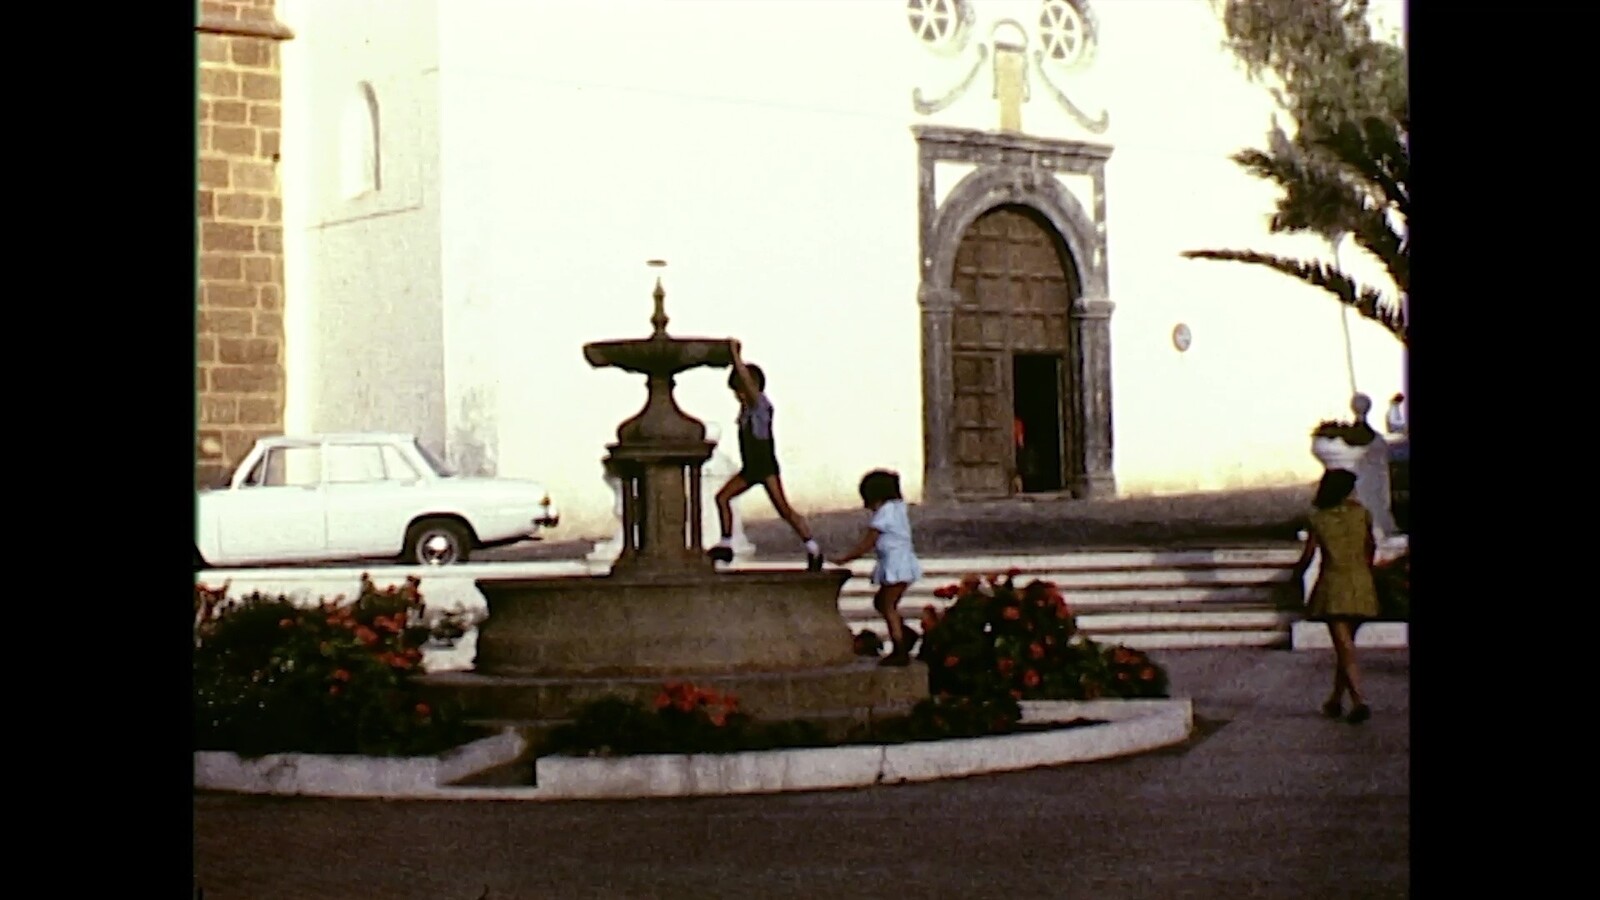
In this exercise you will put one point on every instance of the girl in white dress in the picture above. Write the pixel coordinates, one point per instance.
(889, 537)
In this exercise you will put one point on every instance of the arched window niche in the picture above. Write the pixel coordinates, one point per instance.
(360, 168)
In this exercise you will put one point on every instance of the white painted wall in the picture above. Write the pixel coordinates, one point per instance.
(1268, 355)
(363, 305)
(764, 150)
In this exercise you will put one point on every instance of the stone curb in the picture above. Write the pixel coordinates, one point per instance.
(351, 776)
(1134, 726)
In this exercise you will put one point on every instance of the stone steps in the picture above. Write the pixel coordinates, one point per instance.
(1148, 599)
(1145, 599)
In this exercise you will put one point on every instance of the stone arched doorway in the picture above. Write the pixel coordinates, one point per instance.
(1013, 292)
(1011, 353)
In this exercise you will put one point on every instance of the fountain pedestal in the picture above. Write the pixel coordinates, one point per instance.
(774, 638)
(714, 473)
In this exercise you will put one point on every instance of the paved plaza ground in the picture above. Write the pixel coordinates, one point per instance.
(1270, 800)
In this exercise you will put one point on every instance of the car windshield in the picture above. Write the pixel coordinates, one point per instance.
(434, 462)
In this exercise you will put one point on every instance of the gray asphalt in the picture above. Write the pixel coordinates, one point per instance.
(1270, 800)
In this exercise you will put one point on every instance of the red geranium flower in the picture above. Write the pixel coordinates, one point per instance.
(1030, 678)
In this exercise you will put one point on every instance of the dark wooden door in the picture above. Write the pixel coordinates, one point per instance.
(1016, 286)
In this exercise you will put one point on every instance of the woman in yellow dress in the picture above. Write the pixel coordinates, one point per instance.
(1344, 595)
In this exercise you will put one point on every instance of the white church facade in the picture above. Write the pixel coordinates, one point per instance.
(949, 231)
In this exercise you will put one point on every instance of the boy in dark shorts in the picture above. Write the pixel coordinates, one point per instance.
(760, 463)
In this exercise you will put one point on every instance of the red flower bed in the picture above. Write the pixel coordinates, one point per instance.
(272, 676)
(998, 639)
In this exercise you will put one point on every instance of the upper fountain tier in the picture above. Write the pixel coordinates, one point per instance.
(659, 358)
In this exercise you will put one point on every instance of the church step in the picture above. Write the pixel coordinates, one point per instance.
(1187, 640)
(1141, 621)
(1260, 605)
(1109, 582)
(1170, 638)
(1066, 565)
(1134, 598)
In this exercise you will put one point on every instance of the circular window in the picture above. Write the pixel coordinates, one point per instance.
(937, 23)
(1066, 32)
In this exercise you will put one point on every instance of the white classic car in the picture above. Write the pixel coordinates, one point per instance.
(360, 496)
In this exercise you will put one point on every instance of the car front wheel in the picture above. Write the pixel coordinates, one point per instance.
(437, 542)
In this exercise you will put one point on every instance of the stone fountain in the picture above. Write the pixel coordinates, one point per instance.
(774, 637)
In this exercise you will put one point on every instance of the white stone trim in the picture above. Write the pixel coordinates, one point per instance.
(1134, 726)
(351, 776)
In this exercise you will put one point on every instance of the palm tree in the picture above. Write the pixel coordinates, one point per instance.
(1345, 169)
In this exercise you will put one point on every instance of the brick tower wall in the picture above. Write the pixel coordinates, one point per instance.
(240, 352)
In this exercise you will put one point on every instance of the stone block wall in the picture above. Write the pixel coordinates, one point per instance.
(239, 351)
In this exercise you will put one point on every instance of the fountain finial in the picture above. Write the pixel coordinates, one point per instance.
(659, 320)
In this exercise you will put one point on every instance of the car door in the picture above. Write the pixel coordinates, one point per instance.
(277, 514)
(372, 492)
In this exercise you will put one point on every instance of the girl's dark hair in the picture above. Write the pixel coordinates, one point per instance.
(880, 485)
(756, 375)
(1336, 485)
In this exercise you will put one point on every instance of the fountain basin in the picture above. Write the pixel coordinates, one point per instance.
(663, 624)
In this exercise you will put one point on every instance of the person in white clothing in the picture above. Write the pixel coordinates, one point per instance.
(889, 537)
(1395, 420)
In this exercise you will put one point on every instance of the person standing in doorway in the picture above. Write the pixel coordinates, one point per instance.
(1024, 464)
(759, 458)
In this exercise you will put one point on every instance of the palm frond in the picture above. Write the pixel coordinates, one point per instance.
(1376, 150)
(1370, 302)
(1330, 189)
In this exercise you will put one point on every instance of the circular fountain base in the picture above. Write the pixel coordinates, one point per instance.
(668, 625)
(852, 692)
(774, 639)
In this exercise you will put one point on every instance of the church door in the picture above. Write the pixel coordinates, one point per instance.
(1011, 357)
